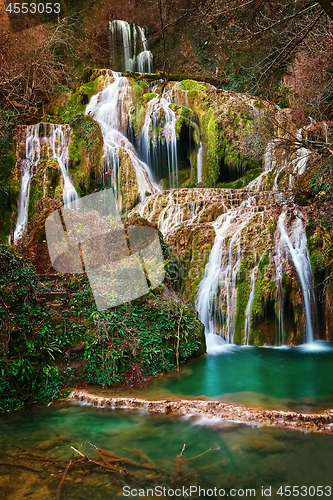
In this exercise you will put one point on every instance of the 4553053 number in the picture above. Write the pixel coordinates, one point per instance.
(304, 491)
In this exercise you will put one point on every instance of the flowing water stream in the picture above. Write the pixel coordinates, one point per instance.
(158, 139)
(110, 108)
(129, 48)
(44, 141)
(36, 448)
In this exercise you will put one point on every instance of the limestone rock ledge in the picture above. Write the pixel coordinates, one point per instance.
(217, 410)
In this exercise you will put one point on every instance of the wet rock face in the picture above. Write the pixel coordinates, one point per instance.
(258, 284)
(33, 245)
(129, 190)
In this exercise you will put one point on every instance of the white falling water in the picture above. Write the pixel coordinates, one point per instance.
(278, 258)
(43, 141)
(219, 282)
(249, 306)
(145, 58)
(180, 207)
(269, 165)
(300, 163)
(199, 163)
(110, 108)
(296, 244)
(130, 35)
(158, 139)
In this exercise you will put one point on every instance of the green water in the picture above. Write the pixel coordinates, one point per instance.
(299, 378)
(255, 457)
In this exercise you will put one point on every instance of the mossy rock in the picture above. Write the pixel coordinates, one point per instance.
(128, 184)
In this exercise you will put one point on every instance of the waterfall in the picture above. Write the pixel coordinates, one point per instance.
(22, 215)
(249, 306)
(299, 164)
(278, 258)
(110, 108)
(182, 207)
(43, 141)
(302, 155)
(199, 163)
(128, 36)
(217, 290)
(269, 165)
(158, 139)
(297, 247)
(145, 58)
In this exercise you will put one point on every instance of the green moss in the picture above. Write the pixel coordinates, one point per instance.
(192, 85)
(243, 293)
(242, 181)
(148, 97)
(186, 118)
(263, 291)
(165, 184)
(86, 154)
(286, 284)
(317, 261)
(77, 102)
(213, 154)
(259, 104)
(264, 261)
(140, 88)
(246, 117)
(36, 189)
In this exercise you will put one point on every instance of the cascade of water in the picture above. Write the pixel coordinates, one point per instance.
(297, 246)
(110, 108)
(43, 141)
(249, 306)
(158, 139)
(269, 165)
(22, 215)
(199, 163)
(217, 290)
(142, 62)
(300, 163)
(145, 58)
(278, 258)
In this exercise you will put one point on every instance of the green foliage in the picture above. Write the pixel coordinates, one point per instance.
(28, 347)
(34, 338)
(9, 187)
(142, 332)
(317, 185)
(62, 89)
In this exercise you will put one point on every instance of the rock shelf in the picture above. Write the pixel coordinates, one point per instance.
(217, 410)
